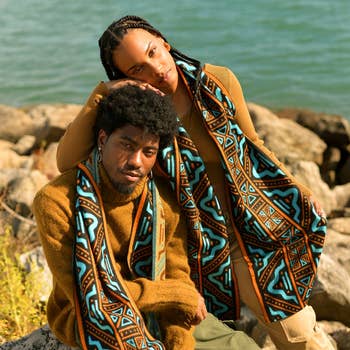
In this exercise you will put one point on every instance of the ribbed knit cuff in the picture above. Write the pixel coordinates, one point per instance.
(159, 296)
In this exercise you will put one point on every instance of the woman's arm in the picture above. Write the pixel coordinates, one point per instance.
(78, 140)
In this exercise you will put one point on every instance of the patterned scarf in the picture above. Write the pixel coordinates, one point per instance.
(107, 317)
(277, 227)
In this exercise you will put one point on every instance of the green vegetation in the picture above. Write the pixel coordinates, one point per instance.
(21, 311)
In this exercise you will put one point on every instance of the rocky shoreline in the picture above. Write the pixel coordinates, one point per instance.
(314, 146)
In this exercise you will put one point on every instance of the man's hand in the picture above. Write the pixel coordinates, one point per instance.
(201, 312)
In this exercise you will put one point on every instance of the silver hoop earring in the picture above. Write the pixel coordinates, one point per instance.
(99, 155)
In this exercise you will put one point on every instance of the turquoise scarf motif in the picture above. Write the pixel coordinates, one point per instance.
(107, 317)
(275, 223)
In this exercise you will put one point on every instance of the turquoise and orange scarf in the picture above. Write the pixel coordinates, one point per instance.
(107, 317)
(276, 225)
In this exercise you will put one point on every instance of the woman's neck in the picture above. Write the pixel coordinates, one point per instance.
(182, 100)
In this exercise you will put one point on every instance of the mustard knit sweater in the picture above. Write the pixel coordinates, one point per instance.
(174, 298)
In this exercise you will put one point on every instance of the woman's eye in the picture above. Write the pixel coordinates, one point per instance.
(152, 52)
(138, 70)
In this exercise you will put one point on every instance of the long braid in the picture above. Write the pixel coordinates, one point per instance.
(114, 34)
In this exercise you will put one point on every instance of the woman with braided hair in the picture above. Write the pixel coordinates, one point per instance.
(254, 233)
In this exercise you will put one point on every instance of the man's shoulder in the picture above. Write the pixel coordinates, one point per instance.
(62, 186)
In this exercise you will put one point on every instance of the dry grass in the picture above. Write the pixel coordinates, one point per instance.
(20, 309)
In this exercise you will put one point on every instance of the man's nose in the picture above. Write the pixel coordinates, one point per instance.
(135, 159)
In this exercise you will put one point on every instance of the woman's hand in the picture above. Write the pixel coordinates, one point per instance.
(318, 207)
(115, 84)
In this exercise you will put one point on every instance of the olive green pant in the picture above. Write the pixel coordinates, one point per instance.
(212, 334)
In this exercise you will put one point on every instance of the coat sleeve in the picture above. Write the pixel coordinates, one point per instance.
(55, 226)
(76, 143)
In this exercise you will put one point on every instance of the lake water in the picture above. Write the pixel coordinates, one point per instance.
(285, 53)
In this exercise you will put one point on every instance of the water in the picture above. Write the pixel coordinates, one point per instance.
(285, 53)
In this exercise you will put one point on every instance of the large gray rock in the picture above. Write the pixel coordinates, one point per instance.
(343, 174)
(337, 244)
(46, 161)
(308, 174)
(35, 262)
(341, 225)
(14, 123)
(331, 293)
(333, 129)
(10, 159)
(40, 339)
(9, 174)
(21, 191)
(287, 139)
(342, 195)
(56, 118)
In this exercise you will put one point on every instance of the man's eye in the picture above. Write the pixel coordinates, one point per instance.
(126, 145)
(150, 153)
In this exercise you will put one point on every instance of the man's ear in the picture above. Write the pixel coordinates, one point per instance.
(102, 138)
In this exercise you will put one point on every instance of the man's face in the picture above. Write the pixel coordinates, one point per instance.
(128, 155)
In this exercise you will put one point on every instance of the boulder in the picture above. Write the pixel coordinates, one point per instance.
(34, 261)
(25, 145)
(342, 226)
(333, 129)
(41, 339)
(343, 173)
(331, 293)
(21, 191)
(14, 123)
(56, 117)
(337, 244)
(308, 174)
(10, 159)
(287, 139)
(46, 161)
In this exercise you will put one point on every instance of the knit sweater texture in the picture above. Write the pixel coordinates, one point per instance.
(174, 299)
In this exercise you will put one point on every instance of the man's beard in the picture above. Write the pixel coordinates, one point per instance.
(122, 188)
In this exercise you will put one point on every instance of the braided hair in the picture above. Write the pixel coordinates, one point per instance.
(113, 36)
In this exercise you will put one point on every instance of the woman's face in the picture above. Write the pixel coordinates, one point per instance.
(144, 56)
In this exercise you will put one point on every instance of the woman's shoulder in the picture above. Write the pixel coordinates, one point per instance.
(225, 76)
(222, 73)
(218, 71)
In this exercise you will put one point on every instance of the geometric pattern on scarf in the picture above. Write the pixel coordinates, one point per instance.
(107, 316)
(275, 223)
(208, 248)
